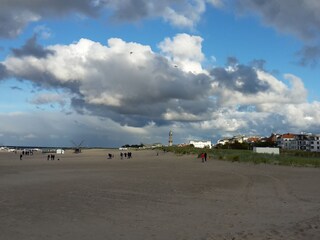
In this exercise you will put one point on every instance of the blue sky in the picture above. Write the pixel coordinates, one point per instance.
(125, 72)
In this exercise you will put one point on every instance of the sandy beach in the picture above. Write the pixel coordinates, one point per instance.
(87, 196)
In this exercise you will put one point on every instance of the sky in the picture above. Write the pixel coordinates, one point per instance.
(116, 72)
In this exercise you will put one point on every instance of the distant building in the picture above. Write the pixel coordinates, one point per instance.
(157, 145)
(302, 141)
(237, 139)
(290, 141)
(60, 151)
(253, 139)
(266, 150)
(287, 141)
(223, 141)
(315, 143)
(201, 144)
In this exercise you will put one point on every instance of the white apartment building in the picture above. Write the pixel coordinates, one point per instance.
(303, 141)
(315, 143)
(287, 141)
(223, 141)
(201, 144)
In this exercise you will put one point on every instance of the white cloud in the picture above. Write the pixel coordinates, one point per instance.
(49, 98)
(216, 3)
(185, 51)
(122, 78)
(189, 13)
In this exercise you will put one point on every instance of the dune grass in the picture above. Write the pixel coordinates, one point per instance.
(286, 158)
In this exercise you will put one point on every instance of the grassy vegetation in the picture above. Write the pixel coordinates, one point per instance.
(287, 158)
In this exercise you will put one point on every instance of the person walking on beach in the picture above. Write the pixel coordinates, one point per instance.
(202, 157)
(205, 156)
(20, 156)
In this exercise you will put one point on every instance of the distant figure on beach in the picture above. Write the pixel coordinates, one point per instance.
(48, 158)
(121, 155)
(20, 156)
(205, 156)
(109, 155)
(202, 157)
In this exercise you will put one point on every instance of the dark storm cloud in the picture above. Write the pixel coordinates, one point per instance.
(241, 78)
(309, 56)
(59, 7)
(10, 28)
(16, 14)
(185, 95)
(32, 48)
(3, 71)
(131, 10)
(46, 80)
(292, 16)
(119, 115)
(138, 9)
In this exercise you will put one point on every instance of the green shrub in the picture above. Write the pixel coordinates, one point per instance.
(235, 159)
(289, 158)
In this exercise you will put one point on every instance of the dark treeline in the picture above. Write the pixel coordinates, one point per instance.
(133, 146)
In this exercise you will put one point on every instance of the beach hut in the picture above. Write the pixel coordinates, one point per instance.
(60, 151)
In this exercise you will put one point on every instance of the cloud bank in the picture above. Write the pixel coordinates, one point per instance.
(132, 87)
(15, 15)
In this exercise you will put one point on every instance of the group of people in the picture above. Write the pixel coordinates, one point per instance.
(122, 155)
(25, 152)
(51, 157)
(203, 157)
(125, 155)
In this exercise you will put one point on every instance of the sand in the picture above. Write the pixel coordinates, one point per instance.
(87, 196)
